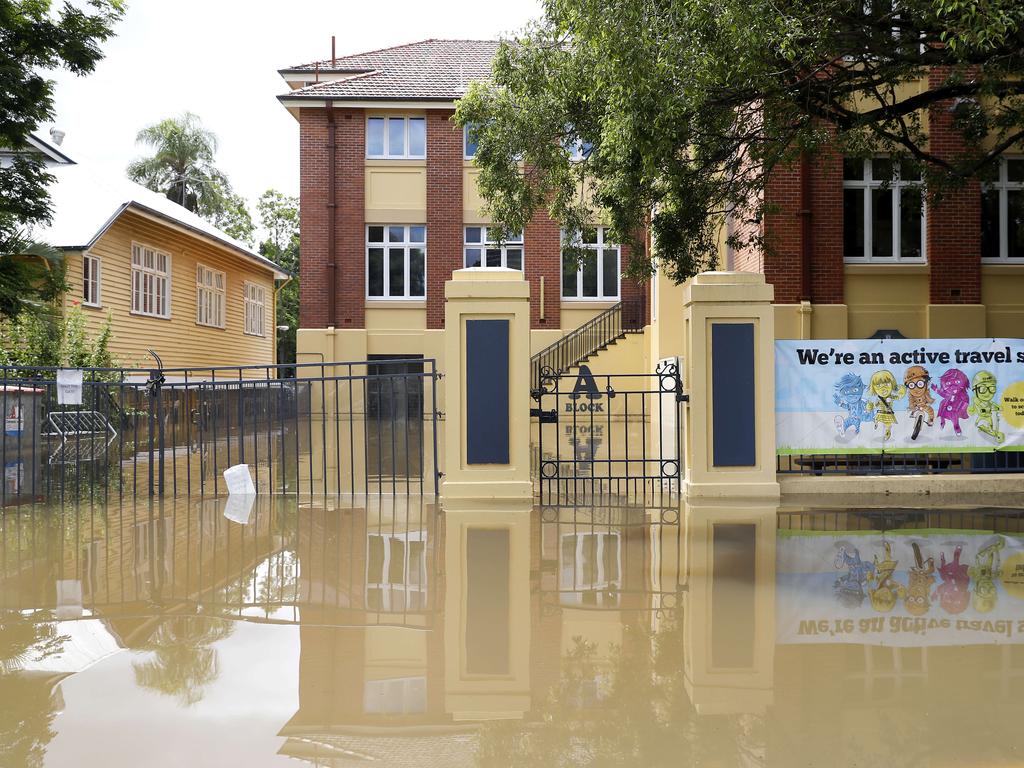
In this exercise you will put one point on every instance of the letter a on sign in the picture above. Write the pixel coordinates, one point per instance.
(585, 385)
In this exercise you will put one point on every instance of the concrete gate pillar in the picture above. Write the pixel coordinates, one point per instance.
(487, 362)
(729, 374)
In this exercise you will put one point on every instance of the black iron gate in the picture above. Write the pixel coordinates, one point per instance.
(349, 428)
(608, 437)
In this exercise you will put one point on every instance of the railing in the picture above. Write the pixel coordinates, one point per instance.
(900, 463)
(627, 316)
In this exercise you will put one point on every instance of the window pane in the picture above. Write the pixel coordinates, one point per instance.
(590, 273)
(590, 235)
(1015, 224)
(375, 265)
(494, 257)
(375, 137)
(396, 136)
(514, 258)
(853, 169)
(471, 142)
(396, 271)
(376, 234)
(417, 136)
(990, 224)
(472, 257)
(396, 234)
(417, 234)
(910, 224)
(570, 269)
(853, 223)
(881, 169)
(908, 172)
(610, 274)
(1015, 170)
(881, 223)
(417, 272)
(473, 234)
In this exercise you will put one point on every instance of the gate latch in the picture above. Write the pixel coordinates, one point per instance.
(546, 417)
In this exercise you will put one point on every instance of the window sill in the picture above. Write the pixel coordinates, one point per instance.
(396, 303)
(1003, 266)
(589, 303)
(396, 162)
(886, 268)
(255, 335)
(214, 327)
(85, 305)
(149, 316)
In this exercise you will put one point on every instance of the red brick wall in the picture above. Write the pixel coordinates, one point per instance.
(444, 209)
(631, 289)
(315, 213)
(542, 246)
(953, 225)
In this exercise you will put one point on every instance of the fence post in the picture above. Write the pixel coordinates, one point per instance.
(487, 380)
(729, 329)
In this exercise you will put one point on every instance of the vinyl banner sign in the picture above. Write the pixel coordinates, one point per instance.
(907, 395)
(906, 588)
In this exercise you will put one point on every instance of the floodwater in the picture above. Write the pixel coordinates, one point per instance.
(207, 633)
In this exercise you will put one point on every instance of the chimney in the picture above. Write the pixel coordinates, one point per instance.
(57, 135)
(334, 58)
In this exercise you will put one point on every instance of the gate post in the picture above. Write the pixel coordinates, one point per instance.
(729, 328)
(487, 385)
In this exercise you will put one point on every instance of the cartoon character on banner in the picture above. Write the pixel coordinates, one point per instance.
(922, 576)
(849, 587)
(888, 590)
(985, 405)
(952, 388)
(886, 391)
(919, 399)
(953, 593)
(985, 571)
(849, 395)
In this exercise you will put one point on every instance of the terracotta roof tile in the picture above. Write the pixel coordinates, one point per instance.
(427, 70)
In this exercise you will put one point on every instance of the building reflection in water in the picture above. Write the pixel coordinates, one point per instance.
(731, 635)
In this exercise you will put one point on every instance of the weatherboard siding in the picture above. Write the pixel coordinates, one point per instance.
(179, 340)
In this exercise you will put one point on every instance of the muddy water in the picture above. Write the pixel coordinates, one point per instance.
(199, 633)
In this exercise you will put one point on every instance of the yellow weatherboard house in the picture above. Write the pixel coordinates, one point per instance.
(168, 280)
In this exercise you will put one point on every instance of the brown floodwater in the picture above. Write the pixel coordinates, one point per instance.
(204, 632)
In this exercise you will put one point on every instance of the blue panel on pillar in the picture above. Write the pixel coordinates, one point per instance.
(487, 393)
(732, 393)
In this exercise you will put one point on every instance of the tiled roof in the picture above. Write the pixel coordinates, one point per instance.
(427, 70)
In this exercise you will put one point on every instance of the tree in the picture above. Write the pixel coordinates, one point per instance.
(279, 217)
(35, 40)
(234, 219)
(683, 108)
(32, 274)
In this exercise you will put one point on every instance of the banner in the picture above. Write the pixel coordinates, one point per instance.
(902, 588)
(906, 395)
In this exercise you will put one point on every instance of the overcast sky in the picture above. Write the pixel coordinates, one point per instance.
(219, 59)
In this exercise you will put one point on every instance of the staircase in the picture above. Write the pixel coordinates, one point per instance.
(590, 338)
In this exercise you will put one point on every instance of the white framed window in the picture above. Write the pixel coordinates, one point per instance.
(883, 212)
(483, 248)
(255, 296)
(396, 571)
(469, 142)
(590, 568)
(396, 138)
(396, 261)
(597, 278)
(210, 290)
(92, 274)
(151, 281)
(580, 150)
(1002, 213)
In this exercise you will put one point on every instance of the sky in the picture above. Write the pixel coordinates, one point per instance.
(219, 59)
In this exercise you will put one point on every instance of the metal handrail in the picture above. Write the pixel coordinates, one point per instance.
(623, 317)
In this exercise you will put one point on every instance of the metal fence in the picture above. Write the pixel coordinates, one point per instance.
(355, 428)
(901, 463)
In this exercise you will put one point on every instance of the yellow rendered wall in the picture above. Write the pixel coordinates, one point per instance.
(887, 296)
(1002, 293)
(179, 340)
(396, 191)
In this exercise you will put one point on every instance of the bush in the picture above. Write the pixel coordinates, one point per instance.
(62, 341)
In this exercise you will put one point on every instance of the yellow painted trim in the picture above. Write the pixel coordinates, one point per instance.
(377, 162)
(991, 268)
(887, 269)
(583, 304)
(388, 304)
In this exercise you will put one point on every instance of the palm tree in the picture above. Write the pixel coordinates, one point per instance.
(32, 274)
(182, 166)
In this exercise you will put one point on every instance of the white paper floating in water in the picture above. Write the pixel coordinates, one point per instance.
(239, 480)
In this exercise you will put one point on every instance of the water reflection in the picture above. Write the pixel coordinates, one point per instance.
(726, 635)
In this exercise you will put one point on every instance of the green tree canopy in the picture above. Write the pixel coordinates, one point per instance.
(681, 108)
(279, 218)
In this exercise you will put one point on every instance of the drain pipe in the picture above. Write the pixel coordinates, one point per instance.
(806, 308)
(332, 215)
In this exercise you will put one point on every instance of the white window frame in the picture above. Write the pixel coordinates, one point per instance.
(141, 271)
(465, 143)
(92, 297)
(406, 245)
(254, 297)
(600, 246)
(207, 296)
(394, 595)
(515, 241)
(388, 154)
(896, 185)
(1004, 186)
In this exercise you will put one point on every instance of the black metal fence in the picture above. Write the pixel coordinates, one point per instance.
(901, 463)
(355, 428)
